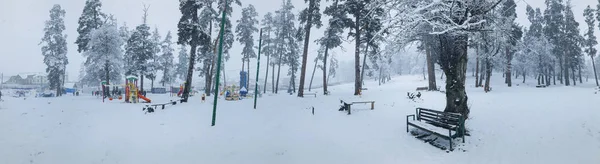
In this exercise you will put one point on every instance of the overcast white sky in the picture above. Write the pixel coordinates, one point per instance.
(22, 23)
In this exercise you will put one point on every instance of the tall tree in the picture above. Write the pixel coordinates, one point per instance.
(590, 40)
(206, 48)
(461, 19)
(553, 29)
(54, 48)
(141, 50)
(268, 49)
(228, 37)
(189, 33)
(91, 19)
(166, 60)
(245, 30)
(153, 63)
(182, 65)
(309, 17)
(358, 9)
(571, 41)
(287, 45)
(372, 35)
(332, 36)
(514, 33)
(104, 55)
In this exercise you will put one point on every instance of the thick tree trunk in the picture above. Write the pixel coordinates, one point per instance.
(454, 57)
(107, 71)
(311, 8)
(574, 76)
(142, 82)
(595, 74)
(553, 73)
(188, 80)
(508, 67)
(565, 70)
(364, 64)
(548, 78)
(476, 66)
(580, 78)
(357, 83)
(430, 70)
(313, 76)
(488, 75)
(325, 78)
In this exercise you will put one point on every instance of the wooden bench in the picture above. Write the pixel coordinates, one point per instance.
(441, 124)
(347, 106)
(310, 93)
(422, 88)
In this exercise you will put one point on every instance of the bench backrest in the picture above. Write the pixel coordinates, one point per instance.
(440, 119)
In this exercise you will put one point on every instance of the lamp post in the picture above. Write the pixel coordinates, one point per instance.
(257, 68)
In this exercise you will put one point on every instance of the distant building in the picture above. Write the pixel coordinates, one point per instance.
(28, 79)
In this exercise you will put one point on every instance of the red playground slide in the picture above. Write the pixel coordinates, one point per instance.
(144, 98)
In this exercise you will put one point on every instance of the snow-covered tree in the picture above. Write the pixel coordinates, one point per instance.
(452, 22)
(590, 40)
(91, 19)
(153, 64)
(228, 37)
(54, 48)
(166, 60)
(332, 37)
(269, 48)
(104, 55)
(245, 29)
(286, 43)
(572, 41)
(190, 33)
(140, 49)
(182, 65)
(309, 16)
(554, 30)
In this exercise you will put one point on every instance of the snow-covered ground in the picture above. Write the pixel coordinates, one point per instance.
(522, 124)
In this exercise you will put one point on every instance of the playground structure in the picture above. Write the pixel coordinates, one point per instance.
(132, 94)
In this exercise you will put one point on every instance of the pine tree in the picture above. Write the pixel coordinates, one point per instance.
(182, 65)
(372, 35)
(153, 64)
(553, 29)
(54, 48)
(572, 44)
(287, 45)
(166, 60)
(309, 17)
(91, 19)
(590, 40)
(104, 55)
(269, 48)
(228, 32)
(332, 36)
(514, 33)
(190, 33)
(207, 48)
(142, 49)
(245, 30)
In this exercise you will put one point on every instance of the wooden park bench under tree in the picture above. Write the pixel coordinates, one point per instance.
(441, 124)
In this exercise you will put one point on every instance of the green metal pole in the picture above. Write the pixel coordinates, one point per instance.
(257, 68)
(214, 114)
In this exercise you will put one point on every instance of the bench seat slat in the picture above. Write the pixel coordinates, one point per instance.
(441, 120)
(440, 124)
(428, 127)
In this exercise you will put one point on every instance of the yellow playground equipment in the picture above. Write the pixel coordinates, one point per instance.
(132, 94)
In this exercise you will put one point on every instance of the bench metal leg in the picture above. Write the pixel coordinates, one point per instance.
(450, 139)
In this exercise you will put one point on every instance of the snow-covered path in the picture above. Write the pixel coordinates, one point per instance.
(510, 125)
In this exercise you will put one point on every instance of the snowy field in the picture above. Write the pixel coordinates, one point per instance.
(522, 124)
